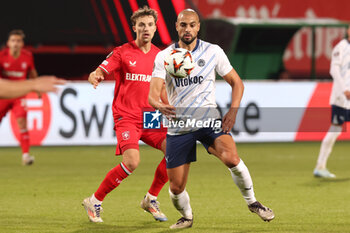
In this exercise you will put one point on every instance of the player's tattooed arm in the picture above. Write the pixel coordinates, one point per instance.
(154, 98)
(96, 77)
(236, 83)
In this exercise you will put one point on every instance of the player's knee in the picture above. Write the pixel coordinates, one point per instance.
(131, 159)
(132, 164)
(230, 159)
(177, 189)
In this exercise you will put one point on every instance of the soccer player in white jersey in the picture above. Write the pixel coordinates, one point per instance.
(340, 102)
(196, 97)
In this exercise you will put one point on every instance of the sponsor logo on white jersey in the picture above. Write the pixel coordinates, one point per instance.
(183, 82)
(138, 77)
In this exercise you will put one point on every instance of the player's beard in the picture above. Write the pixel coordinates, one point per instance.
(187, 42)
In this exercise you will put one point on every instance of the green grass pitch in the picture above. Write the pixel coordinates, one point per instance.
(47, 196)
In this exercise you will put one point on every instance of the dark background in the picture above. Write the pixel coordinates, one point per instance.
(71, 38)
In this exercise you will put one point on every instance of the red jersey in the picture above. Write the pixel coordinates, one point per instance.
(16, 68)
(133, 72)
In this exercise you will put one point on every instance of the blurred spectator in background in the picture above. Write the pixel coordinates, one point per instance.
(17, 64)
(281, 74)
(284, 75)
(340, 101)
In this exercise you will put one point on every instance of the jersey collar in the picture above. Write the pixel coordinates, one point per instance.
(195, 48)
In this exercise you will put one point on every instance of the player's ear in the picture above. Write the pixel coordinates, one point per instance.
(134, 28)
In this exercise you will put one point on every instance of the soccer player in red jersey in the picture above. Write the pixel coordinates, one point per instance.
(132, 65)
(17, 64)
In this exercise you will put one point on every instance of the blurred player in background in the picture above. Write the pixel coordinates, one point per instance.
(17, 64)
(340, 102)
(199, 97)
(132, 64)
(13, 89)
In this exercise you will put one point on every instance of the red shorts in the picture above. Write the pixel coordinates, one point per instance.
(129, 133)
(18, 107)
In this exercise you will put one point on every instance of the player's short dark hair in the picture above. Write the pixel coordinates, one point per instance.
(144, 11)
(17, 32)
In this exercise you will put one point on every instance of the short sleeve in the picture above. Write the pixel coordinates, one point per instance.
(223, 65)
(112, 61)
(336, 55)
(158, 67)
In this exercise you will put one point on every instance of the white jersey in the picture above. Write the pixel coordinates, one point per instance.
(194, 95)
(340, 71)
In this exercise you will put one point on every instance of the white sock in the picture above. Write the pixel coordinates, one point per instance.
(327, 145)
(182, 203)
(94, 200)
(25, 155)
(241, 177)
(150, 196)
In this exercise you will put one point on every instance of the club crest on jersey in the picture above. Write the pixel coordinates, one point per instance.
(133, 64)
(6, 65)
(201, 63)
(24, 65)
(126, 135)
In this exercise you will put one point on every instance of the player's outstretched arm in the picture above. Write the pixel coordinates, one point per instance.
(154, 97)
(236, 83)
(13, 89)
(96, 77)
(47, 83)
(33, 74)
